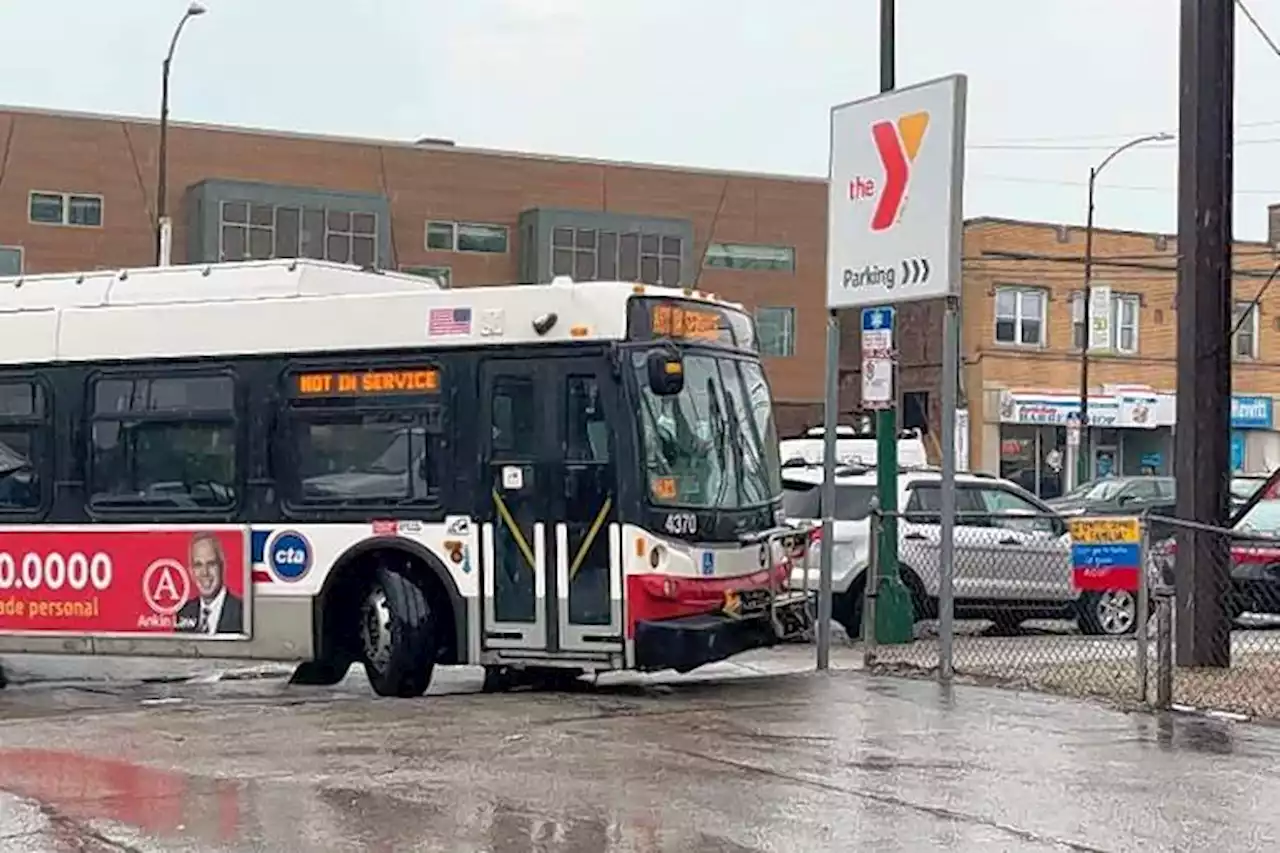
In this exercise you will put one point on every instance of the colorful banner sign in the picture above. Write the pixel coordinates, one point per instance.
(1106, 553)
(131, 581)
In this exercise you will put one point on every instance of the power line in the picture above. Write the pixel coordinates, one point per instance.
(1257, 26)
(1101, 137)
(1069, 143)
(1031, 146)
(1056, 182)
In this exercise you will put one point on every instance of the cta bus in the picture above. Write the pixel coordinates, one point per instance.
(306, 462)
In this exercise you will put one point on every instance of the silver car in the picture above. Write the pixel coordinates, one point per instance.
(1012, 552)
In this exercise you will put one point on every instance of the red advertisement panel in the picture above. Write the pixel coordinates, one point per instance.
(193, 582)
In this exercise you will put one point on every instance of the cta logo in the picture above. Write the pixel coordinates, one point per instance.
(897, 143)
(289, 556)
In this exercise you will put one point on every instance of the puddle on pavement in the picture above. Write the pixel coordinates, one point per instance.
(102, 801)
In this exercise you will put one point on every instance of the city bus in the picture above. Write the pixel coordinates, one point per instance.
(299, 461)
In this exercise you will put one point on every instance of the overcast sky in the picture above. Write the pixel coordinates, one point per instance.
(740, 84)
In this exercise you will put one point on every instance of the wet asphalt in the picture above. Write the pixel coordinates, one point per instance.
(757, 757)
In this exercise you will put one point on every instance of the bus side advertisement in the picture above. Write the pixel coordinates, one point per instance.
(128, 582)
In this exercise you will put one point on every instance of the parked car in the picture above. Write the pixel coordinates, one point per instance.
(1118, 496)
(1131, 495)
(1243, 487)
(1255, 555)
(1012, 552)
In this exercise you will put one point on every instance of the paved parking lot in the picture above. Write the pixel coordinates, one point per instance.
(726, 761)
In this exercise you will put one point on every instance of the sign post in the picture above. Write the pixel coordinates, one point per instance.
(894, 233)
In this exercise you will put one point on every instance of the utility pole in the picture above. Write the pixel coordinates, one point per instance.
(1204, 302)
(887, 419)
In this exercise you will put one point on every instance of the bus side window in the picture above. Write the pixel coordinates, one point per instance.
(163, 443)
(515, 410)
(24, 446)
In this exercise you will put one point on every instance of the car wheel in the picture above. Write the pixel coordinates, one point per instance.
(846, 608)
(1112, 613)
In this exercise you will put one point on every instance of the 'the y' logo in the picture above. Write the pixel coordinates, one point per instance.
(897, 143)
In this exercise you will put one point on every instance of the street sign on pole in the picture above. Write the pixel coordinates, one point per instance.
(877, 358)
(894, 233)
(894, 207)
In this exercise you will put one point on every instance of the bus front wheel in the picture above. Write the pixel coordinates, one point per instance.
(396, 636)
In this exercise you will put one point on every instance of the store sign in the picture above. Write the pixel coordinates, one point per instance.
(1137, 411)
(1099, 317)
(1127, 410)
(1251, 412)
(1027, 409)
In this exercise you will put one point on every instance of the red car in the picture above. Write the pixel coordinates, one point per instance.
(1255, 553)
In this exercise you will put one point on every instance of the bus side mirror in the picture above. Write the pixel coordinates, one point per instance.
(666, 373)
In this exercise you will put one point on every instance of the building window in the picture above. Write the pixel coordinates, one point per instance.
(1020, 315)
(476, 237)
(777, 331)
(742, 256)
(163, 443)
(80, 209)
(10, 260)
(588, 254)
(442, 275)
(1122, 334)
(258, 232)
(577, 252)
(1244, 343)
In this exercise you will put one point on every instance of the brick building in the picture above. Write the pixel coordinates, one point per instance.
(77, 191)
(1022, 334)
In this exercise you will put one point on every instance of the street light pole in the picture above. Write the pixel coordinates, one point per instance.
(162, 180)
(1083, 460)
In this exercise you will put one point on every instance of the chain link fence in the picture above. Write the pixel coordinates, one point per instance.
(1223, 589)
(1198, 625)
(1020, 616)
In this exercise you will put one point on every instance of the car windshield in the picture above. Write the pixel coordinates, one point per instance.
(714, 445)
(1263, 517)
(804, 501)
(1242, 488)
(1099, 490)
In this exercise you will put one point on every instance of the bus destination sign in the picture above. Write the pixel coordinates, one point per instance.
(695, 322)
(411, 380)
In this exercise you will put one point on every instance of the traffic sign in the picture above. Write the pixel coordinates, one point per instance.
(877, 331)
(895, 193)
(877, 383)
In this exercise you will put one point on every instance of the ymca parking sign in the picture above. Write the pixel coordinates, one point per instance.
(896, 188)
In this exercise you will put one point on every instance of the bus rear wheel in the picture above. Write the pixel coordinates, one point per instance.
(397, 639)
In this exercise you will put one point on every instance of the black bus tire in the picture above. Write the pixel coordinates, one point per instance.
(397, 637)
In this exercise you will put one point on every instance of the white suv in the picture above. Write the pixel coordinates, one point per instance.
(1012, 553)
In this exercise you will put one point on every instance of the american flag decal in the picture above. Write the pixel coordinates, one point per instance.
(449, 321)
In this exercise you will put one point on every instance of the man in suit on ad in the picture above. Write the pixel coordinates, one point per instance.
(214, 610)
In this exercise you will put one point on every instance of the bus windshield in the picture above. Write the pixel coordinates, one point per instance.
(714, 445)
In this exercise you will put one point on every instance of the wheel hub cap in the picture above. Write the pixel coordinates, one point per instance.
(375, 628)
(1116, 611)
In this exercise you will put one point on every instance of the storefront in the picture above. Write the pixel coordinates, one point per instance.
(1255, 445)
(1130, 432)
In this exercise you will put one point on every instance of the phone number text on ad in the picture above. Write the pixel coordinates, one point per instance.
(54, 571)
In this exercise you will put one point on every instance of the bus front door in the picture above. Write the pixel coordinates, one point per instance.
(551, 569)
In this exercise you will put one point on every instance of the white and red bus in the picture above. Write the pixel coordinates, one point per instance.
(300, 461)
